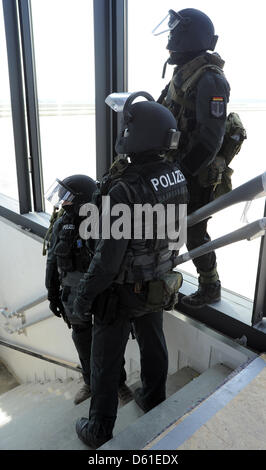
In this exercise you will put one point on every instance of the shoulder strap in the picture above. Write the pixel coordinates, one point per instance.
(196, 76)
(180, 96)
(55, 215)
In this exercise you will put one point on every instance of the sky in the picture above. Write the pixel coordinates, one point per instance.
(63, 35)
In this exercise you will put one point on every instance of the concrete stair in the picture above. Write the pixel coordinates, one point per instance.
(42, 416)
(141, 432)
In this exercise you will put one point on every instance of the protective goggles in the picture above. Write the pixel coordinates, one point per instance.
(168, 23)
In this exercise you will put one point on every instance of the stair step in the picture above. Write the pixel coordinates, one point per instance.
(131, 412)
(138, 434)
(49, 411)
(43, 416)
(178, 380)
(30, 394)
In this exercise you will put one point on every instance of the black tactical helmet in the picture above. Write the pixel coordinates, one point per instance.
(81, 186)
(77, 189)
(146, 126)
(194, 32)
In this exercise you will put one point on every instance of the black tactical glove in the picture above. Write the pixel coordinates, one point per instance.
(57, 307)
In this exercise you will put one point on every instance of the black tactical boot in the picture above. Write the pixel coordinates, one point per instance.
(138, 397)
(206, 294)
(83, 394)
(91, 440)
(139, 400)
(125, 394)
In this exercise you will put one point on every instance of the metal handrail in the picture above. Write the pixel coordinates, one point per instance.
(22, 328)
(20, 314)
(44, 357)
(28, 306)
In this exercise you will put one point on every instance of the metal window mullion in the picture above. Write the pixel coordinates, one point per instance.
(259, 309)
(120, 49)
(110, 66)
(121, 45)
(102, 84)
(32, 103)
(17, 103)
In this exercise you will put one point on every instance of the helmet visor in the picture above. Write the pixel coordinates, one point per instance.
(168, 23)
(116, 101)
(59, 193)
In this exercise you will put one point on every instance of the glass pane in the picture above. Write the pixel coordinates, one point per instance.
(241, 45)
(64, 52)
(8, 174)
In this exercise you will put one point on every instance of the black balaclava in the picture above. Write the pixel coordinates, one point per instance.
(182, 58)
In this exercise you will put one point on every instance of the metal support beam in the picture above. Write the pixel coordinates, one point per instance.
(32, 103)
(225, 324)
(259, 309)
(17, 103)
(110, 30)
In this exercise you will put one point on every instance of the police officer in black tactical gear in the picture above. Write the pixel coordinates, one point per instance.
(69, 257)
(197, 96)
(125, 283)
(67, 261)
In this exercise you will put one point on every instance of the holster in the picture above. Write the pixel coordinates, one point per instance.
(163, 293)
(105, 306)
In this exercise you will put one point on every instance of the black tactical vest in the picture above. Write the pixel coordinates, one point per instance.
(181, 95)
(157, 182)
(71, 252)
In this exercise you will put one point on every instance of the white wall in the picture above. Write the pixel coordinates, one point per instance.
(22, 277)
(22, 281)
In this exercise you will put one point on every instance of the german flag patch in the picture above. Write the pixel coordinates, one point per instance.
(217, 107)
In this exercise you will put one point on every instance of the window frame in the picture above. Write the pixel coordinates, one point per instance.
(17, 103)
(110, 34)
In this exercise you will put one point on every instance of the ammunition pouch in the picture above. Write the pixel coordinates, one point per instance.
(64, 258)
(235, 134)
(225, 185)
(72, 253)
(163, 292)
(218, 175)
(63, 248)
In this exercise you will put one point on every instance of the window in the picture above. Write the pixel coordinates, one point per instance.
(64, 53)
(241, 39)
(8, 175)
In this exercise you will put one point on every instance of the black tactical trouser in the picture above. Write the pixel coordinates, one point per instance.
(82, 336)
(108, 348)
(197, 235)
(81, 331)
